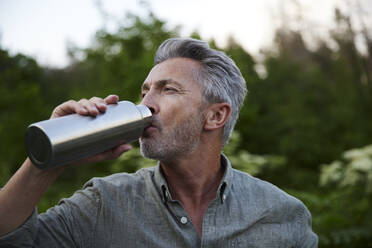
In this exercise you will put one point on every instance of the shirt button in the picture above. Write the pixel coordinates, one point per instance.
(183, 220)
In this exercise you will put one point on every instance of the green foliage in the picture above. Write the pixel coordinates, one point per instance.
(353, 171)
(253, 164)
(341, 206)
(20, 105)
(310, 106)
(131, 162)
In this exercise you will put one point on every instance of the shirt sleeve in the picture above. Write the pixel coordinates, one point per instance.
(71, 223)
(307, 238)
(23, 236)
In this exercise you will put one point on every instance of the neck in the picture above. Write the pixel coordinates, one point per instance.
(194, 178)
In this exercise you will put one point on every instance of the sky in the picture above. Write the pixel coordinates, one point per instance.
(43, 28)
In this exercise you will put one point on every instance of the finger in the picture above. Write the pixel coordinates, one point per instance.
(66, 108)
(109, 154)
(89, 106)
(111, 99)
(114, 153)
(117, 151)
(100, 103)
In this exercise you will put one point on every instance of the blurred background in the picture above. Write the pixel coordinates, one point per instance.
(306, 125)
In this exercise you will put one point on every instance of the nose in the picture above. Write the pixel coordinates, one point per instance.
(149, 100)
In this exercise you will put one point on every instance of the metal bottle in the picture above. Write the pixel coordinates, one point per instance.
(58, 141)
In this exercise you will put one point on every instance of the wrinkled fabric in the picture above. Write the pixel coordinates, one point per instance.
(137, 210)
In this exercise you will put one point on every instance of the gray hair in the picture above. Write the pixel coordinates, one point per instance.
(221, 79)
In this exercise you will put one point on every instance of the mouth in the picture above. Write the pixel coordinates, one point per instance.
(148, 130)
(155, 126)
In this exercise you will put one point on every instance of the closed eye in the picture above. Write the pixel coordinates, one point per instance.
(170, 89)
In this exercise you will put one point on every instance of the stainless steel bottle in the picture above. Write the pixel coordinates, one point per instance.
(58, 141)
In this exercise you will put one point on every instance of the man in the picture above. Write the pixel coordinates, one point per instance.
(193, 198)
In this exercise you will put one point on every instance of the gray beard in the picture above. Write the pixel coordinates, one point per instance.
(175, 143)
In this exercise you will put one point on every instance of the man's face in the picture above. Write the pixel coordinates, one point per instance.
(171, 92)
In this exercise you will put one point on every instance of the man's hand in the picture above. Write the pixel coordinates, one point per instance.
(92, 107)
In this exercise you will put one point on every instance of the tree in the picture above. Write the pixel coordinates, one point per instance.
(21, 104)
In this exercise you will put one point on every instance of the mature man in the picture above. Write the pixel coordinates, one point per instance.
(192, 198)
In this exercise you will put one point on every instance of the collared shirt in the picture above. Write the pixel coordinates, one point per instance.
(137, 210)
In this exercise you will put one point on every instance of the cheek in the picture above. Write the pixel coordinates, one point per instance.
(176, 110)
(171, 116)
(174, 115)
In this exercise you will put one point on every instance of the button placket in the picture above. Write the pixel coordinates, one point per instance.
(177, 210)
(209, 224)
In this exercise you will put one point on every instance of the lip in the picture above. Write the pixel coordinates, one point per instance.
(150, 128)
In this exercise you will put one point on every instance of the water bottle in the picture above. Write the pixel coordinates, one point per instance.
(69, 138)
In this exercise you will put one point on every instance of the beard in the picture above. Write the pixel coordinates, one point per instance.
(172, 143)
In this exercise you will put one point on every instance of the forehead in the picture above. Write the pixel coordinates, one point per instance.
(184, 71)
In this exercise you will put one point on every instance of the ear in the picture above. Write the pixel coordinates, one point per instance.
(217, 115)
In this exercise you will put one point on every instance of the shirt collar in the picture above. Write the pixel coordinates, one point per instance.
(226, 181)
(222, 191)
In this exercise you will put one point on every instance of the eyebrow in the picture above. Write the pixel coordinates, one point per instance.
(161, 83)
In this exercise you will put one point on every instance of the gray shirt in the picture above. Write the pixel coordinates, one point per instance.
(137, 210)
